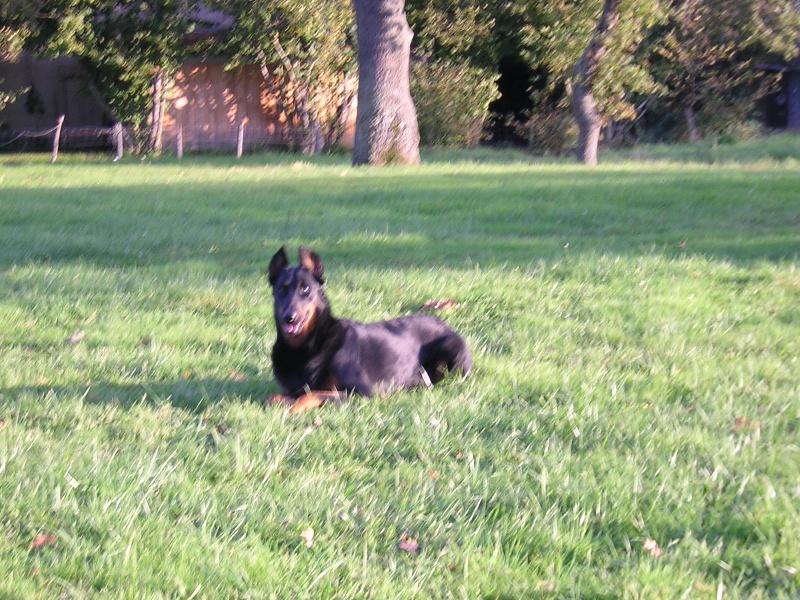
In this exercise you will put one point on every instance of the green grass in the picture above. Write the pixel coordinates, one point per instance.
(636, 336)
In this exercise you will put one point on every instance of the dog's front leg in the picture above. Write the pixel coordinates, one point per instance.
(306, 402)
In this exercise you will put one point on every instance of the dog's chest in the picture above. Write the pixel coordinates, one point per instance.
(298, 375)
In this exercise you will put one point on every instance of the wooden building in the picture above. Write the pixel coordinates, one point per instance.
(207, 106)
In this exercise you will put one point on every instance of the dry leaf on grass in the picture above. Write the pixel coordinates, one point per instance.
(742, 424)
(76, 337)
(407, 544)
(652, 547)
(237, 376)
(42, 540)
(438, 305)
(308, 537)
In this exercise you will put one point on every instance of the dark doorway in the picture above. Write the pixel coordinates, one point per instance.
(513, 105)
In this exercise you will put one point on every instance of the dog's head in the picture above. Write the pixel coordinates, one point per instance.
(298, 295)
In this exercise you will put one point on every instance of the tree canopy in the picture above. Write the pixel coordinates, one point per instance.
(694, 59)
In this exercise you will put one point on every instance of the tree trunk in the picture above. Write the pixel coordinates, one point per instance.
(583, 104)
(793, 101)
(691, 123)
(386, 120)
(589, 123)
(157, 115)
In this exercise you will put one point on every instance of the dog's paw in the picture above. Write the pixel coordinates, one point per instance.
(279, 400)
(306, 403)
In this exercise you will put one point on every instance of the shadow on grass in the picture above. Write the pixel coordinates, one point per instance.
(399, 221)
(191, 395)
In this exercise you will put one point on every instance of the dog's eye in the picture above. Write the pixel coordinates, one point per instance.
(305, 290)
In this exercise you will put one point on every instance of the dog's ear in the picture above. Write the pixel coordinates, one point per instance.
(277, 264)
(311, 262)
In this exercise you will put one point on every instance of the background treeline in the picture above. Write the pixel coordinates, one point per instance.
(679, 69)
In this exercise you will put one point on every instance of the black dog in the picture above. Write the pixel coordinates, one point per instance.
(317, 357)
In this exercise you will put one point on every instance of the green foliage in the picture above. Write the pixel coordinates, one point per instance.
(17, 23)
(635, 332)
(454, 74)
(306, 51)
(560, 32)
(15, 28)
(125, 46)
(704, 57)
(552, 129)
(693, 58)
(775, 23)
(688, 52)
(458, 32)
(452, 101)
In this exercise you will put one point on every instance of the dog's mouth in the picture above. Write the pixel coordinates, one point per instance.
(293, 329)
(296, 328)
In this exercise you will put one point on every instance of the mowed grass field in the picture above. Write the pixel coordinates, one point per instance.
(631, 428)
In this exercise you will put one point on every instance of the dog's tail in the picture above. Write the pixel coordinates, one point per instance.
(447, 354)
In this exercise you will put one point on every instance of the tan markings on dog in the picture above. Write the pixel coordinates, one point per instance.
(313, 400)
(310, 262)
(306, 403)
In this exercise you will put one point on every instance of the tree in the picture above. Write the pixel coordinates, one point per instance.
(386, 122)
(777, 24)
(595, 58)
(583, 79)
(306, 53)
(704, 56)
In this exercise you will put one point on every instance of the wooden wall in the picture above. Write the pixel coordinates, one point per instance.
(51, 88)
(208, 103)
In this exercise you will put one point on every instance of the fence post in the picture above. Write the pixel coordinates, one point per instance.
(179, 141)
(240, 141)
(56, 139)
(117, 141)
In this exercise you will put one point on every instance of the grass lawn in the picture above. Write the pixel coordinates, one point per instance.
(631, 428)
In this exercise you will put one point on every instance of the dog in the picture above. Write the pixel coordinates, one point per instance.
(317, 357)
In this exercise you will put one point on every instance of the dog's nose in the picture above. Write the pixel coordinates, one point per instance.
(290, 318)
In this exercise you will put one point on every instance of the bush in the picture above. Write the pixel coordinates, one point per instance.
(552, 131)
(452, 101)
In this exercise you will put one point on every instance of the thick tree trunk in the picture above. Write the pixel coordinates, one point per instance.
(386, 121)
(583, 104)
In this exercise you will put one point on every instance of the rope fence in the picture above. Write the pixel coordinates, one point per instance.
(60, 138)
(228, 138)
